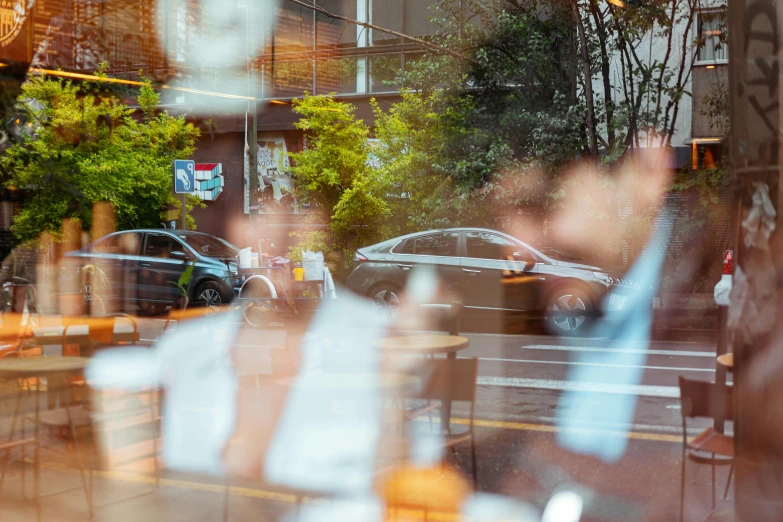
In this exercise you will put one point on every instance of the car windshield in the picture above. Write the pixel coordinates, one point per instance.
(210, 246)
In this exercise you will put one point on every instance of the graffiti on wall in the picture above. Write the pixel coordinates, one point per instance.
(274, 180)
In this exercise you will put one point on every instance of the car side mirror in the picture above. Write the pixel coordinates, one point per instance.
(525, 257)
(179, 254)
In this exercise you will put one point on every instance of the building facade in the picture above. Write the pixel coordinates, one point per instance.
(211, 56)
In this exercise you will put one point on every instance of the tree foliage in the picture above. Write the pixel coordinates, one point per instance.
(84, 146)
(333, 172)
(469, 139)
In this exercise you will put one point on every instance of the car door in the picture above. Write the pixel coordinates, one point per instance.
(114, 259)
(498, 273)
(164, 258)
(437, 250)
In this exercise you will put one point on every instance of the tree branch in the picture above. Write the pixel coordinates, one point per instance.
(680, 81)
(588, 85)
(665, 63)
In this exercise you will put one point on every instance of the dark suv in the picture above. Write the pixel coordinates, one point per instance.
(490, 272)
(140, 269)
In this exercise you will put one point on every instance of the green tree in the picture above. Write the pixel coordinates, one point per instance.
(85, 145)
(333, 174)
(501, 123)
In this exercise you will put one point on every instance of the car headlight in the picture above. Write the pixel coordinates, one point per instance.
(606, 278)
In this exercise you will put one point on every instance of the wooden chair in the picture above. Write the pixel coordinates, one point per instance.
(455, 380)
(454, 319)
(101, 332)
(706, 400)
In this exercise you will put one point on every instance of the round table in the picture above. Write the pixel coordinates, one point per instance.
(427, 345)
(384, 381)
(424, 344)
(727, 360)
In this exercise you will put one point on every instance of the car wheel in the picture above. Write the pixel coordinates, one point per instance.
(386, 298)
(259, 313)
(570, 302)
(209, 295)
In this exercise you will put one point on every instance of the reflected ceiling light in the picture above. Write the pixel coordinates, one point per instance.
(107, 79)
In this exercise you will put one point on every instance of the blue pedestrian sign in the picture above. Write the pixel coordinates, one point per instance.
(184, 176)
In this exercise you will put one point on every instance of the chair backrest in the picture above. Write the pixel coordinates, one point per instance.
(705, 399)
(13, 327)
(453, 379)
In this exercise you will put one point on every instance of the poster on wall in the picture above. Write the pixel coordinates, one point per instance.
(274, 180)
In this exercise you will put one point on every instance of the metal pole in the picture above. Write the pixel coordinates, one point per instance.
(720, 370)
(252, 136)
(184, 213)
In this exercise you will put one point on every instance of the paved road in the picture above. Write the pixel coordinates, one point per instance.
(522, 379)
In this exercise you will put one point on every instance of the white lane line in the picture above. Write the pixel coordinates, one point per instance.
(559, 348)
(641, 390)
(574, 363)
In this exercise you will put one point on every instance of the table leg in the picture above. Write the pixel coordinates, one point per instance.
(445, 417)
(87, 491)
(37, 456)
(11, 437)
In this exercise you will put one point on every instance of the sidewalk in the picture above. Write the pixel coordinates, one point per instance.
(133, 497)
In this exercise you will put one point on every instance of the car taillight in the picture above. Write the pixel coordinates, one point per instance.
(358, 258)
(728, 262)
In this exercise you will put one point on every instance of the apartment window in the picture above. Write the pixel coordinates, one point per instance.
(387, 14)
(711, 37)
(706, 154)
(384, 70)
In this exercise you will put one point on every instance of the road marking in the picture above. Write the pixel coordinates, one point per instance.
(641, 390)
(575, 363)
(548, 428)
(235, 491)
(581, 423)
(684, 353)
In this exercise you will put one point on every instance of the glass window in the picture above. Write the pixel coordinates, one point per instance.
(337, 75)
(333, 32)
(383, 71)
(127, 243)
(706, 155)
(406, 247)
(292, 78)
(417, 18)
(210, 246)
(293, 28)
(434, 245)
(161, 245)
(389, 16)
(483, 245)
(712, 43)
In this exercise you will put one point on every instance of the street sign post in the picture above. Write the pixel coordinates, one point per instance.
(184, 183)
